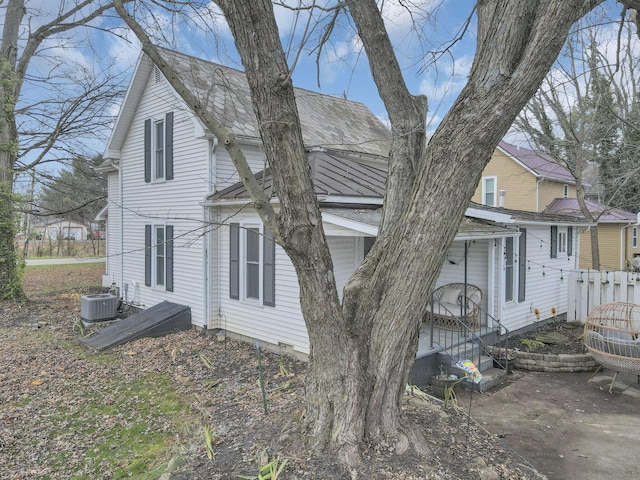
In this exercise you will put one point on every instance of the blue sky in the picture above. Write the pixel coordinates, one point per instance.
(342, 68)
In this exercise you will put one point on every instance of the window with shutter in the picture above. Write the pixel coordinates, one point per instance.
(252, 264)
(508, 267)
(554, 241)
(158, 256)
(158, 149)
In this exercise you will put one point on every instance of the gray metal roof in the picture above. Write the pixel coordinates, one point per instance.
(333, 173)
(327, 121)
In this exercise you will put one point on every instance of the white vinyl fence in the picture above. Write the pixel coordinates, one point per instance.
(590, 288)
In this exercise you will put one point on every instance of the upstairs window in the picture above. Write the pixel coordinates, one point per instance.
(158, 149)
(565, 191)
(489, 195)
(634, 237)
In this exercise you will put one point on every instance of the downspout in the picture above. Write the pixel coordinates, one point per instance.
(206, 218)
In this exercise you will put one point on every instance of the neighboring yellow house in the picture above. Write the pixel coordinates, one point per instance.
(521, 179)
(617, 233)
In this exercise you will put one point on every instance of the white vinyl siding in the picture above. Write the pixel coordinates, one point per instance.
(282, 323)
(177, 202)
(113, 247)
(546, 282)
(225, 172)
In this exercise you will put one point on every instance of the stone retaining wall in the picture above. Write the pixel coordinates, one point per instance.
(546, 362)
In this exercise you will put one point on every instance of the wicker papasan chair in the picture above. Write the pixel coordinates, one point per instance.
(612, 336)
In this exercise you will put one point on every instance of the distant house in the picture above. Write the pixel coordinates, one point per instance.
(59, 229)
(522, 179)
(617, 233)
(181, 228)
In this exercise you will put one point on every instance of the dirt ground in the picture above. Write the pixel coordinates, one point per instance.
(141, 410)
(568, 425)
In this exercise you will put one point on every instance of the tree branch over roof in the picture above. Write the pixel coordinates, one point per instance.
(224, 135)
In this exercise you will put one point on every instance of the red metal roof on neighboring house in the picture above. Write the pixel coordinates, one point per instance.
(569, 206)
(540, 163)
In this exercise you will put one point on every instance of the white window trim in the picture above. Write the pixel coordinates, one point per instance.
(154, 148)
(495, 190)
(154, 256)
(565, 191)
(562, 242)
(634, 237)
(515, 271)
(242, 273)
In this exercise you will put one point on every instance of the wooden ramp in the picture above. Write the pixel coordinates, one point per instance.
(156, 321)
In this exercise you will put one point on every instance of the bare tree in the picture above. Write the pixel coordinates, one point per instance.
(579, 115)
(361, 350)
(53, 127)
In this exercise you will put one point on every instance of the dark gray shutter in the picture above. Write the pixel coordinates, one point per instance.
(147, 151)
(169, 257)
(234, 261)
(554, 241)
(569, 241)
(147, 255)
(269, 270)
(522, 265)
(168, 146)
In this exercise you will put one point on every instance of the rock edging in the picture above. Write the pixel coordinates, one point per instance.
(547, 362)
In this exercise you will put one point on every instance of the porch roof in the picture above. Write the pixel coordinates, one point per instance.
(603, 213)
(366, 221)
(508, 216)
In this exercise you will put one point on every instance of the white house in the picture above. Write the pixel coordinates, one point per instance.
(181, 228)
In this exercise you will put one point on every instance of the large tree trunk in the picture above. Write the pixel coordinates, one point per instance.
(361, 356)
(361, 352)
(10, 286)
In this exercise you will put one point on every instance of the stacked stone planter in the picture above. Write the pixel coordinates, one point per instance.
(547, 362)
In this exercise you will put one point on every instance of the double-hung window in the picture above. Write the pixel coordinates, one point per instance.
(158, 260)
(509, 277)
(158, 148)
(489, 191)
(251, 264)
(634, 237)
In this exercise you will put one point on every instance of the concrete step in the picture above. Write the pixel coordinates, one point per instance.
(448, 358)
(491, 377)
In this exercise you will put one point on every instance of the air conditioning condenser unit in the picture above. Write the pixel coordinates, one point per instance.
(98, 307)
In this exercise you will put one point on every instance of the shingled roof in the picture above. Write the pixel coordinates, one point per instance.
(326, 121)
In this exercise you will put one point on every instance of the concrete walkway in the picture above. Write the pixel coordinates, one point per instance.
(567, 425)
(62, 260)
